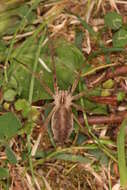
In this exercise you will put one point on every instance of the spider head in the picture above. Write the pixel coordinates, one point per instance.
(63, 98)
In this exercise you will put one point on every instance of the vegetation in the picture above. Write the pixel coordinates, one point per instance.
(65, 41)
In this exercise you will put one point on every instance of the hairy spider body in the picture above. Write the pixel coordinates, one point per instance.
(62, 118)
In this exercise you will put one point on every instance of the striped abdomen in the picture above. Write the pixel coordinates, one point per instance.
(62, 124)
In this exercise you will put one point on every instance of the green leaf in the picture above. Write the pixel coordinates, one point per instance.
(113, 20)
(105, 51)
(105, 92)
(121, 154)
(13, 83)
(9, 125)
(4, 173)
(9, 95)
(81, 138)
(10, 155)
(27, 128)
(72, 158)
(22, 11)
(95, 107)
(34, 114)
(79, 39)
(24, 106)
(68, 58)
(87, 26)
(3, 50)
(1, 78)
(120, 96)
(108, 84)
(120, 38)
(99, 155)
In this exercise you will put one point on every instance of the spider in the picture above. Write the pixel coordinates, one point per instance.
(61, 115)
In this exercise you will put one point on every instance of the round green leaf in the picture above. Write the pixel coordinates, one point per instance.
(108, 84)
(120, 38)
(113, 20)
(24, 106)
(9, 125)
(9, 95)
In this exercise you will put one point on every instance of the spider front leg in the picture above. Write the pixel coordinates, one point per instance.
(77, 96)
(74, 86)
(46, 122)
(77, 107)
(52, 52)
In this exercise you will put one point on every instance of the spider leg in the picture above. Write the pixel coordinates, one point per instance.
(42, 82)
(49, 117)
(46, 106)
(75, 82)
(81, 94)
(45, 86)
(51, 47)
(78, 107)
(35, 146)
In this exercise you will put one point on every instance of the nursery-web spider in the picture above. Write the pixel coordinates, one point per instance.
(61, 115)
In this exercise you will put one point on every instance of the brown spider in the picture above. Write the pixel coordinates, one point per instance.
(61, 116)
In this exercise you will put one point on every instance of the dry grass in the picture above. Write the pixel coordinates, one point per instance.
(50, 172)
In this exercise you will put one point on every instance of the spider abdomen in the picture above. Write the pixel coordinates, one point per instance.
(62, 124)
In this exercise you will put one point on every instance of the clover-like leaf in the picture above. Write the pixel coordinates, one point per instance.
(9, 95)
(9, 125)
(113, 20)
(120, 38)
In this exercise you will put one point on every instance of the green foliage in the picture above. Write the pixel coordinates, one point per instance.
(87, 26)
(95, 108)
(24, 106)
(79, 39)
(113, 20)
(105, 92)
(27, 111)
(120, 96)
(1, 78)
(21, 86)
(99, 155)
(11, 16)
(22, 11)
(9, 95)
(9, 125)
(108, 84)
(81, 138)
(3, 50)
(72, 158)
(27, 128)
(4, 173)
(120, 38)
(10, 155)
(121, 154)
(68, 59)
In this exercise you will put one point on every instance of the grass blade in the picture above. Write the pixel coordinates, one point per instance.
(72, 158)
(121, 154)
